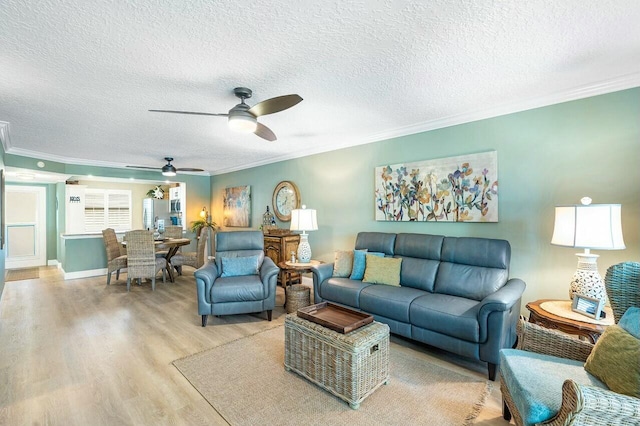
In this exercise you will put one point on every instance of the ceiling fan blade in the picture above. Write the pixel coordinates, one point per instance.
(273, 105)
(144, 167)
(188, 169)
(265, 133)
(189, 112)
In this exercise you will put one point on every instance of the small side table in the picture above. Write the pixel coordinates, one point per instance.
(292, 270)
(588, 330)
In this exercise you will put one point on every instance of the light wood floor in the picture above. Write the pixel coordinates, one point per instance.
(80, 352)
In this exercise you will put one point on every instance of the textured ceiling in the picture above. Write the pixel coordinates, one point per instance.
(77, 77)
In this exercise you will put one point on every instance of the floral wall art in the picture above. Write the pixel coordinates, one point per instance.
(454, 189)
(237, 206)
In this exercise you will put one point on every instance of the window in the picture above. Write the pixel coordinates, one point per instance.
(107, 208)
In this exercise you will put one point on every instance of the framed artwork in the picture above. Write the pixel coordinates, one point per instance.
(237, 206)
(453, 189)
(587, 306)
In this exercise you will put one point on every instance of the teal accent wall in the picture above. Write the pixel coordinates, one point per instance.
(79, 262)
(546, 157)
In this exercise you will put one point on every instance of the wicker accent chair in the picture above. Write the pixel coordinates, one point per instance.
(173, 231)
(195, 259)
(547, 358)
(622, 283)
(142, 260)
(116, 255)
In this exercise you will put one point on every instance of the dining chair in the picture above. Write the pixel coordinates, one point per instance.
(173, 231)
(116, 258)
(195, 259)
(141, 258)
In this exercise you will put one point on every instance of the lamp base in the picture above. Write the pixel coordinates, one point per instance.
(586, 280)
(304, 249)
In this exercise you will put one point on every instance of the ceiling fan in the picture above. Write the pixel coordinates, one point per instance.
(168, 169)
(244, 118)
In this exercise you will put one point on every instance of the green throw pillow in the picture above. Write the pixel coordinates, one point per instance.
(615, 361)
(343, 263)
(382, 270)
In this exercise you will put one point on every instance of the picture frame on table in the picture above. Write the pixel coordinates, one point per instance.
(587, 306)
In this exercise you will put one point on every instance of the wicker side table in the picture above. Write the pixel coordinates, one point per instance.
(298, 296)
(351, 366)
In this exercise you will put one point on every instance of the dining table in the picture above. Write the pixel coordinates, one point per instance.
(169, 247)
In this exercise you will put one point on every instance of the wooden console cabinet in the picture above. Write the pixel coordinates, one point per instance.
(279, 248)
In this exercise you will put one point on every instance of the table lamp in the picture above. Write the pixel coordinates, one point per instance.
(304, 220)
(588, 226)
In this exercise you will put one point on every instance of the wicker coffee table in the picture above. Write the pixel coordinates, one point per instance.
(351, 366)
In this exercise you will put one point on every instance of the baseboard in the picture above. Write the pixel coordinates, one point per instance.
(84, 274)
(307, 281)
(53, 262)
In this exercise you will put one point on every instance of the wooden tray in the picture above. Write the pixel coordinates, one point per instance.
(337, 318)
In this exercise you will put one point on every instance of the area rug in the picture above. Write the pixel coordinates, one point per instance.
(246, 383)
(22, 274)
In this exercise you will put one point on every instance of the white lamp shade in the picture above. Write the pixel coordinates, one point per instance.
(595, 226)
(303, 220)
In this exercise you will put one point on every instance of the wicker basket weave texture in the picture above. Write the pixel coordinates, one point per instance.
(351, 366)
(298, 296)
(622, 283)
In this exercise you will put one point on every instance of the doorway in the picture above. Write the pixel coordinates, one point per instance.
(25, 219)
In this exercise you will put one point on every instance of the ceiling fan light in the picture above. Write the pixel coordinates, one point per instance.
(243, 123)
(168, 170)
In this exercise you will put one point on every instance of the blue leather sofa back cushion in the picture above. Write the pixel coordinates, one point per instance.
(419, 245)
(482, 263)
(376, 241)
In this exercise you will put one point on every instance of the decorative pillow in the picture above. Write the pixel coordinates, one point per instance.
(382, 270)
(630, 321)
(614, 360)
(239, 266)
(360, 262)
(343, 263)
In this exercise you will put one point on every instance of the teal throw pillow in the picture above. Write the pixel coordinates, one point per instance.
(240, 266)
(360, 263)
(630, 321)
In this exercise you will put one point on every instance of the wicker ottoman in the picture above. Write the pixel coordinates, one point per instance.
(351, 366)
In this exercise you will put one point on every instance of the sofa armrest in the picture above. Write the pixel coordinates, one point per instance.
(534, 338)
(501, 300)
(268, 269)
(582, 404)
(320, 274)
(205, 277)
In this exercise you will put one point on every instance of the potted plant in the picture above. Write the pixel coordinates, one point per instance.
(198, 225)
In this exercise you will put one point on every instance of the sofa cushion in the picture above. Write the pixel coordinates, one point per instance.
(419, 273)
(237, 289)
(382, 270)
(240, 266)
(422, 246)
(342, 263)
(473, 282)
(360, 263)
(387, 301)
(342, 290)
(451, 315)
(615, 359)
(376, 241)
(535, 382)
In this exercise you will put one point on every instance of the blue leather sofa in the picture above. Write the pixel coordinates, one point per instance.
(454, 294)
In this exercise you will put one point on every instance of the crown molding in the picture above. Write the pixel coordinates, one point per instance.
(594, 89)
